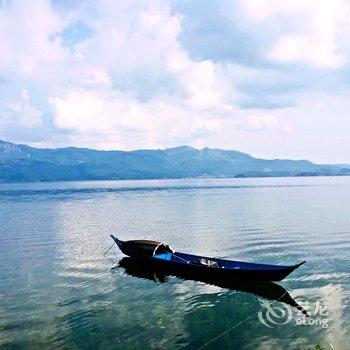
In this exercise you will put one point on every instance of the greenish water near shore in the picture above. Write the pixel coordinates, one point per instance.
(57, 290)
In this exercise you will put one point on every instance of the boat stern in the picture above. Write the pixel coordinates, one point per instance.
(287, 271)
(119, 243)
(116, 240)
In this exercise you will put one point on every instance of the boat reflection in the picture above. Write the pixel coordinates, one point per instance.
(160, 274)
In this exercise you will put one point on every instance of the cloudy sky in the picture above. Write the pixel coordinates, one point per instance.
(267, 77)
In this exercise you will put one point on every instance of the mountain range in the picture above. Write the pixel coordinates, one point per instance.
(22, 163)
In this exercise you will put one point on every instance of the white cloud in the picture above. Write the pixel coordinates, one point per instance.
(22, 112)
(317, 52)
(131, 84)
(307, 31)
(106, 113)
(258, 122)
(131, 40)
(27, 44)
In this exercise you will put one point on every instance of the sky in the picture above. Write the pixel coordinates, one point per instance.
(267, 77)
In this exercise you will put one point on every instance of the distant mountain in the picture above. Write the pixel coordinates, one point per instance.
(21, 163)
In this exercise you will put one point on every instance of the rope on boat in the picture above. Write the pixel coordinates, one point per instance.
(108, 249)
(236, 325)
(171, 251)
(186, 261)
(111, 260)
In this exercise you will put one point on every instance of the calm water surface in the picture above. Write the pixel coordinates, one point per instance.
(58, 290)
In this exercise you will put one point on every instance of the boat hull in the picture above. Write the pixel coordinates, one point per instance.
(253, 273)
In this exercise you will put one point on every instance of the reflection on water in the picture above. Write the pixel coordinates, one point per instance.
(57, 289)
(268, 290)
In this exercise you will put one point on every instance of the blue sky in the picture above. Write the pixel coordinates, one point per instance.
(266, 77)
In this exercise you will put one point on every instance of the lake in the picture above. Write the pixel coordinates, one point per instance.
(58, 290)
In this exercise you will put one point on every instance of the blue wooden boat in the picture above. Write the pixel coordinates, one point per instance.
(160, 254)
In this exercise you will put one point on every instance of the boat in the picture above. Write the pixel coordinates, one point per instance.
(160, 254)
(160, 273)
